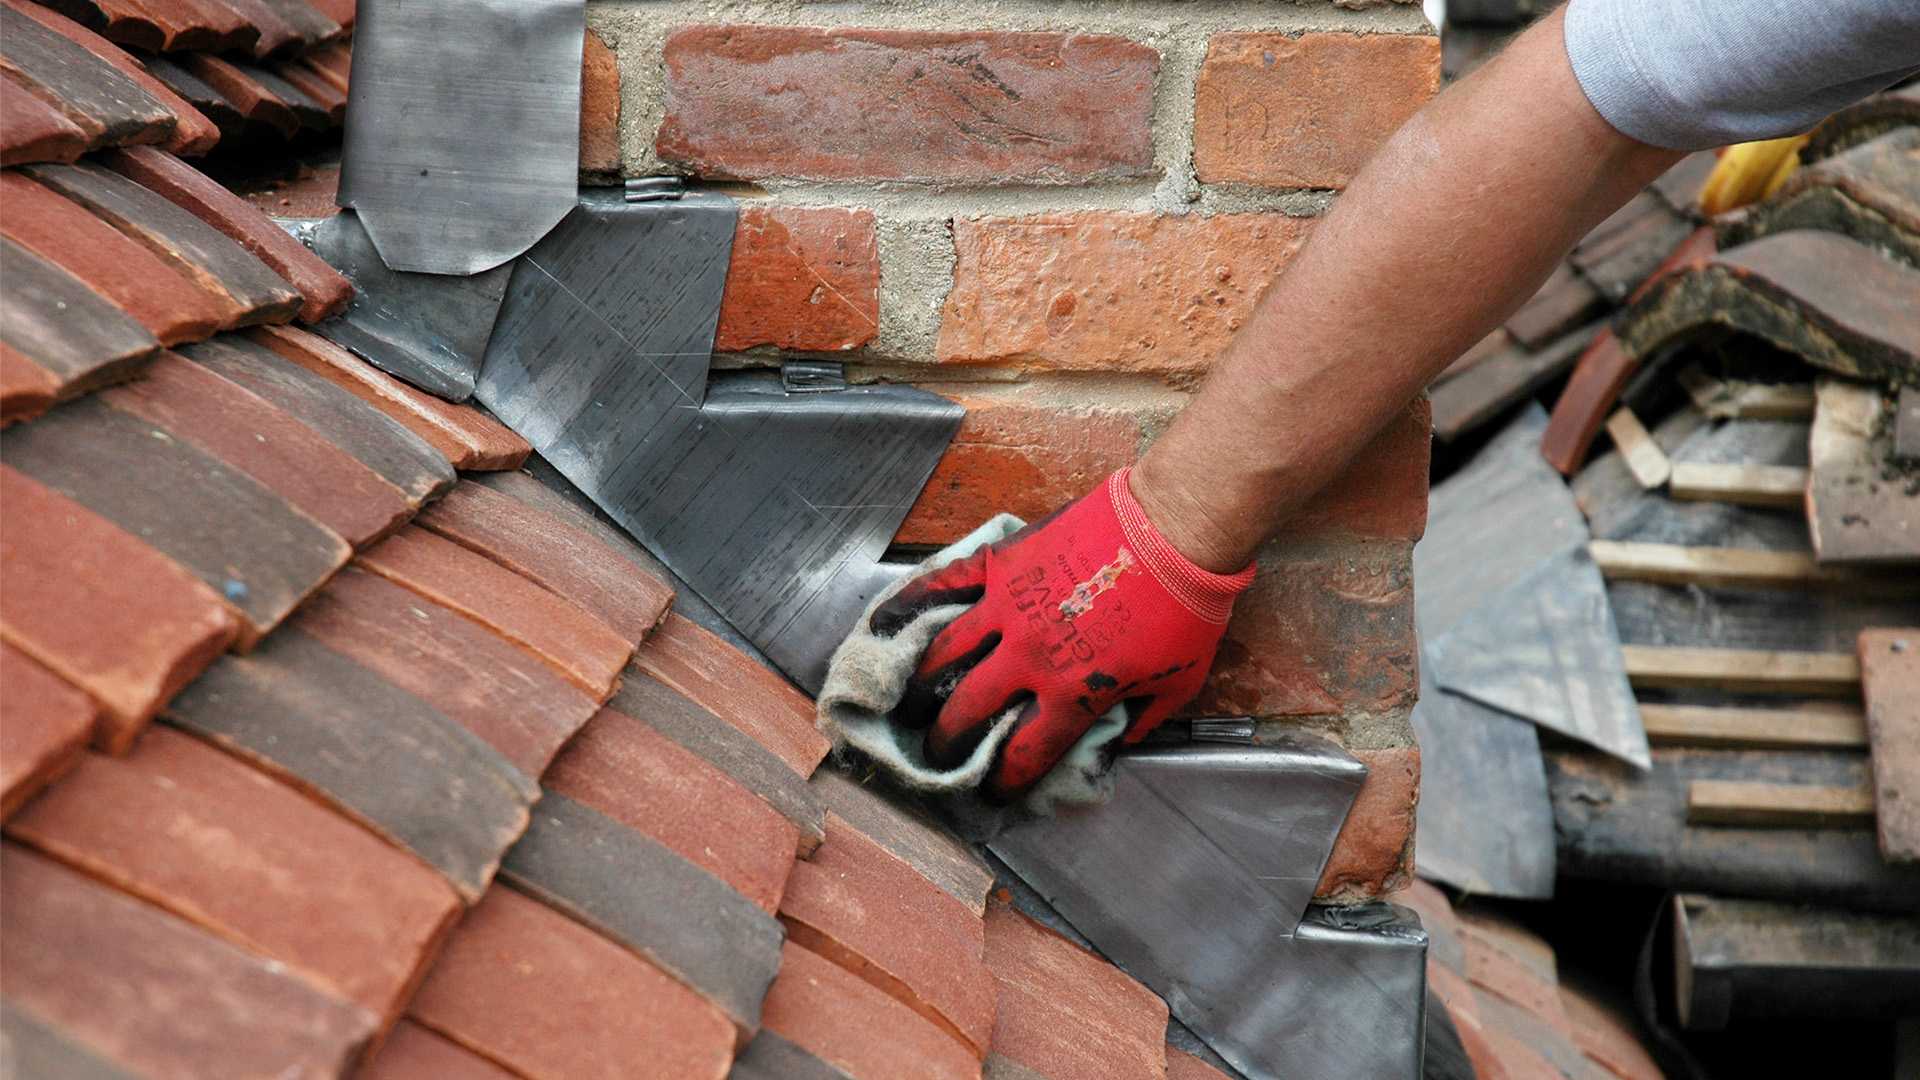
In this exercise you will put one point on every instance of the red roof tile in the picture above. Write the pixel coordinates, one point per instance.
(228, 848)
(575, 644)
(415, 1053)
(26, 388)
(554, 555)
(859, 906)
(111, 108)
(1499, 972)
(254, 101)
(340, 11)
(65, 328)
(644, 780)
(1184, 1066)
(32, 130)
(99, 608)
(1066, 1013)
(193, 133)
(325, 289)
(316, 86)
(121, 21)
(470, 439)
(731, 685)
(552, 1000)
(275, 31)
(848, 1022)
(45, 726)
(156, 995)
(199, 24)
(1606, 1040)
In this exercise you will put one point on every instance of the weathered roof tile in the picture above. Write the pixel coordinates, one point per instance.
(726, 682)
(50, 317)
(193, 133)
(935, 853)
(32, 130)
(254, 101)
(851, 1024)
(412, 1052)
(45, 726)
(1066, 1013)
(110, 107)
(26, 388)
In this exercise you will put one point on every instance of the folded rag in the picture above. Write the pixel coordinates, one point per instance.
(868, 675)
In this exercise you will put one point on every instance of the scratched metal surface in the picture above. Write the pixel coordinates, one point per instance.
(462, 143)
(775, 507)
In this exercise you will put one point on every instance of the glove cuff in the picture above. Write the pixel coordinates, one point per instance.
(1207, 595)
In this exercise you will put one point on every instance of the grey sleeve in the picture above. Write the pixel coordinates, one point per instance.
(1692, 74)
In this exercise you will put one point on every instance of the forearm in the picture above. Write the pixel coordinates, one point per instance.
(1448, 229)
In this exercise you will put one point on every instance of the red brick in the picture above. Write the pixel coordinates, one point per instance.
(646, 781)
(193, 133)
(100, 609)
(1109, 290)
(1374, 853)
(32, 130)
(744, 102)
(1066, 1013)
(258, 438)
(1184, 1066)
(45, 726)
(469, 439)
(243, 855)
(1383, 491)
(551, 1000)
(157, 996)
(599, 107)
(1890, 681)
(1316, 636)
(325, 289)
(1306, 111)
(518, 705)
(554, 555)
(858, 905)
(26, 388)
(172, 308)
(588, 652)
(733, 686)
(849, 1023)
(1012, 458)
(801, 278)
(1605, 1039)
(415, 1053)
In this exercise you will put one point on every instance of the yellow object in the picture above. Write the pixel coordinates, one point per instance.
(1750, 172)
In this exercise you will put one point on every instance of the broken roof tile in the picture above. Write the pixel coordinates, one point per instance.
(110, 107)
(517, 704)
(156, 995)
(121, 21)
(193, 133)
(417, 470)
(575, 644)
(1066, 1013)
(32, 130)
(554, 555)
(45, 725)
(726, 682)
(645, 699)
(644, 895)
(1871, 193)
(340, 11)
(104, 611)
(228, 848)
(413, 1052)
(120, 269)
(245, 541)
(325, 290)
(258, 438)
(858, 905)
(851, 1024)
(26, 388)
(639, 777)
(468, 437)
(1563, 303)
(1862, 120)
(552, 1000)
(50, 317)
(333, 63)
(301, 710)
(1599, 376)
(247, 289)
(928, 848)
(254, 101)
(195, 91)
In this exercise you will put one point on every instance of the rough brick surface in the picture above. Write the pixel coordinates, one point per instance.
(552, 1000)
(646, 781)
(849, 1023)
(249, 858)
(731, 685)
(801, 278)
(99, 608)
(45, 726)
(1315, 636)
(1307, 111)
(1108, 289)
(599, 107)
(1374, 853)
(1064, 1012)
(858, 905)
(745, 102)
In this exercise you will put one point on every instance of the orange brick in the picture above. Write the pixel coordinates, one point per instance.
(599, 107)
(45, 725)
(847, 1022)
(1374, 852)
(731, 685)
(801, 278)
(1383, 491)
(1064, 1012)
(1109, 290)
(1307, 111)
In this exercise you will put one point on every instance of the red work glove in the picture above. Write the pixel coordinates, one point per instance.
(1081, 610)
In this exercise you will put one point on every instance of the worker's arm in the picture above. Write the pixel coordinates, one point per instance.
(1445, 232)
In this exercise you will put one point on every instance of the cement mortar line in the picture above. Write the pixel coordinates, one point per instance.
(1353, 728)
(926, 202)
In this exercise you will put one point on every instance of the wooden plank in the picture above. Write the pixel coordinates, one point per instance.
(1792, 806)
(1643, 457)
(1736, 400)
(110, 107)
(1825, 724)
(53, 319)
(1890, 677)
(1743, 670)
(1738, 568)
(1745, 485)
